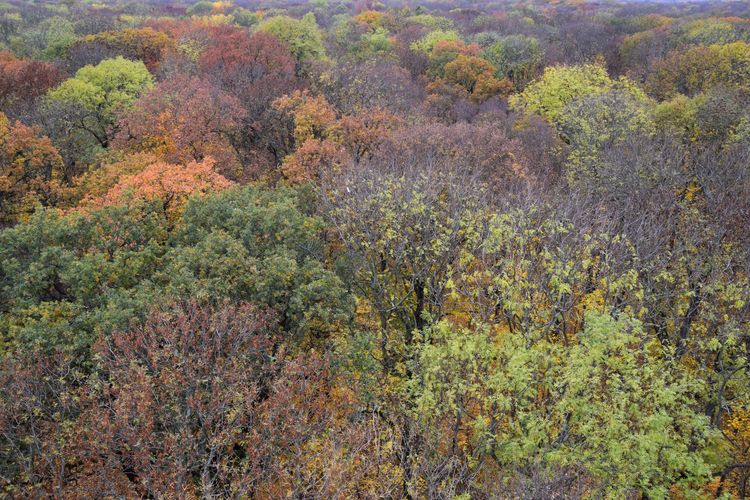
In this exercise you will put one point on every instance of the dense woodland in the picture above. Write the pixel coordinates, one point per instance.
(336, 249)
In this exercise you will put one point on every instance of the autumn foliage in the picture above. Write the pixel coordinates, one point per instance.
(185, 119)
(31, 171)
(325, 249)
(171, 184)
(25, 79)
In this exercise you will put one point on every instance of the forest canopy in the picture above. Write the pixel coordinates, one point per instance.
(363, 249)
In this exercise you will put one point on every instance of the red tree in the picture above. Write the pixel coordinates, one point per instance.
(187, 119)
(181, 392)
(256, 69)
(25, 80)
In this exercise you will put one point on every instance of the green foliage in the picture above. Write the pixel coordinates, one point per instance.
(89, 102)
(109, 85)
(558, 87)
(200, 8)
(245, 18)
(67, 279)
(427, 43)
(707, 32)
(591, 111)
(377, 43)
(302, 37)
(700, 68)
(49, 39)
(516, 57)
(260, 246)
(10, 23)
(600, 121)
(432, 22)
(611, 403)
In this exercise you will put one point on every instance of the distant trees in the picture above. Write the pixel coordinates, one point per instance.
(48, 40)
(142, 44)
(699, 68)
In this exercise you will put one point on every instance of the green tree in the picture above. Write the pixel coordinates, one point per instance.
(428, 42)
(65, 279)
(697, 69)
(558, 87)
(600, 121)
(49, 39)
(516, 57)
(612, 408)
(83, 109)
(301, 36)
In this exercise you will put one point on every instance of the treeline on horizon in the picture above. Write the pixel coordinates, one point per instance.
(337, 249)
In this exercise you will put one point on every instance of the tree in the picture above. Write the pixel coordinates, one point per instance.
(256, 69)
(47, 40)
(171, 184)
(476, 75)
(403, 224)
(64, 279)
(699, 68)
(83, 109)
(431, 39)
(246, 18)
(558, 87)
(67, 278)
(181, 391)
(313, 160)
(516, 57)
(373, 19)
(142, 44)
(403, 227)
(356, 87)
(39, 405)
(238, 60)
(31, 171)
(325, 143)
(312, 114)
(446, 51)
(10, 22)
(185, 119)
(23, 81)
(597, 122)
(243, 416)
(707, 32)
(302, 37)
(99, 179)
(611, 409)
